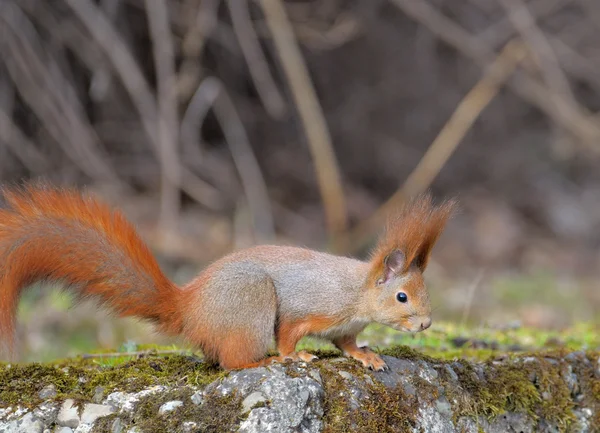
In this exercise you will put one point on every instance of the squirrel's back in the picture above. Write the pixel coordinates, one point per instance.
(327, 282)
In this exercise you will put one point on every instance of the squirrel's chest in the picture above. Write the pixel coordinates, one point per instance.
(352, 327)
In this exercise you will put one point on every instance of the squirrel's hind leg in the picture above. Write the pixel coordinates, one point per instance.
(288, 335)
(232, 315)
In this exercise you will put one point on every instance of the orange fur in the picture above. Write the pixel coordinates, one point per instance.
(289, 333)
(62, 236)
(414, 231)
(235, 351)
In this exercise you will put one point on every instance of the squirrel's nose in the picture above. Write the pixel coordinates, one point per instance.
(426, 323)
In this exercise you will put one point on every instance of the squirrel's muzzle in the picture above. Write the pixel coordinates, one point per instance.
(419, 323)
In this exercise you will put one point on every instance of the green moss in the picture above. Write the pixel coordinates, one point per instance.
(381, 410)
(217, 414)
(528, 383)
(406, 352)
(22, 383)
(79, 378)
(589, 383)
(531, 385)
(502, 389)
(441, 339)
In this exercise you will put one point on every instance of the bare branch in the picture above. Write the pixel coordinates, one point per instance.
(255, 59)
(539, 46)
(59, 111)
(252, 179)
(440, 150)
(311, 115)
(571, 116)
(136, 85)
(167, 125)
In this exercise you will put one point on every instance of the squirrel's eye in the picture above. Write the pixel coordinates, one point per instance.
(401, 297)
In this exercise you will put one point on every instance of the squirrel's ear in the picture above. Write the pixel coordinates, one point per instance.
(392, 264)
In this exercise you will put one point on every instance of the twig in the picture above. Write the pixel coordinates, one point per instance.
(136, 85)
(470, 296)
(539, 46)
(61, 114)
(575, 63)
(461, 121)
(15, 140)
(102, 76)
(203, 99)
(503, 29)
(202, 24)
(255, 59)
(346, 28)
(311, 115)
(167, 125)
(138, 353)
(252, 179)
(570, 116)
(18, 143)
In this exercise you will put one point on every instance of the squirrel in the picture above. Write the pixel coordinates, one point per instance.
(236, 306)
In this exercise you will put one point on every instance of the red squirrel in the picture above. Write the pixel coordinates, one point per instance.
(235, 307)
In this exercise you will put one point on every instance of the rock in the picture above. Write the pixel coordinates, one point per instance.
(294, 401)
(414, 395)
(169, 406)
(198, 398)
(443, 406)
(98, 395)
(47, 392)
(29, 423)
(510, 422)
(116, 426)
(91, 412)
(125, 402)
(345, 375)
(451, 373)
(317, 376)
(252, 400)
(46, 412)
(68, 416)
(189, 427)
(584, 419)
(432, 420)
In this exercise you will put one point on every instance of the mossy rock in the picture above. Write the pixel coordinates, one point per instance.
(557, 390)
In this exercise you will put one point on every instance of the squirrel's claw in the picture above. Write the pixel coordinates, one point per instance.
(379, 367)
(370, 360)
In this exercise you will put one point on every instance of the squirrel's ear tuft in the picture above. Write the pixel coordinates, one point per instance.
(435, 225)
(392, 264)
(409, 237)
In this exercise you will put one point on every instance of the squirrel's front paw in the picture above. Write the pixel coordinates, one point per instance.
(370, 360)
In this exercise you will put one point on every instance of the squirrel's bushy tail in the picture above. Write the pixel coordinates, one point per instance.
(63, 236)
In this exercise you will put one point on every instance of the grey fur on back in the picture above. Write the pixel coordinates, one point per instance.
(306, 282)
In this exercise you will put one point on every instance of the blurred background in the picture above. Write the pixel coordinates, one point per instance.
(220, 124)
